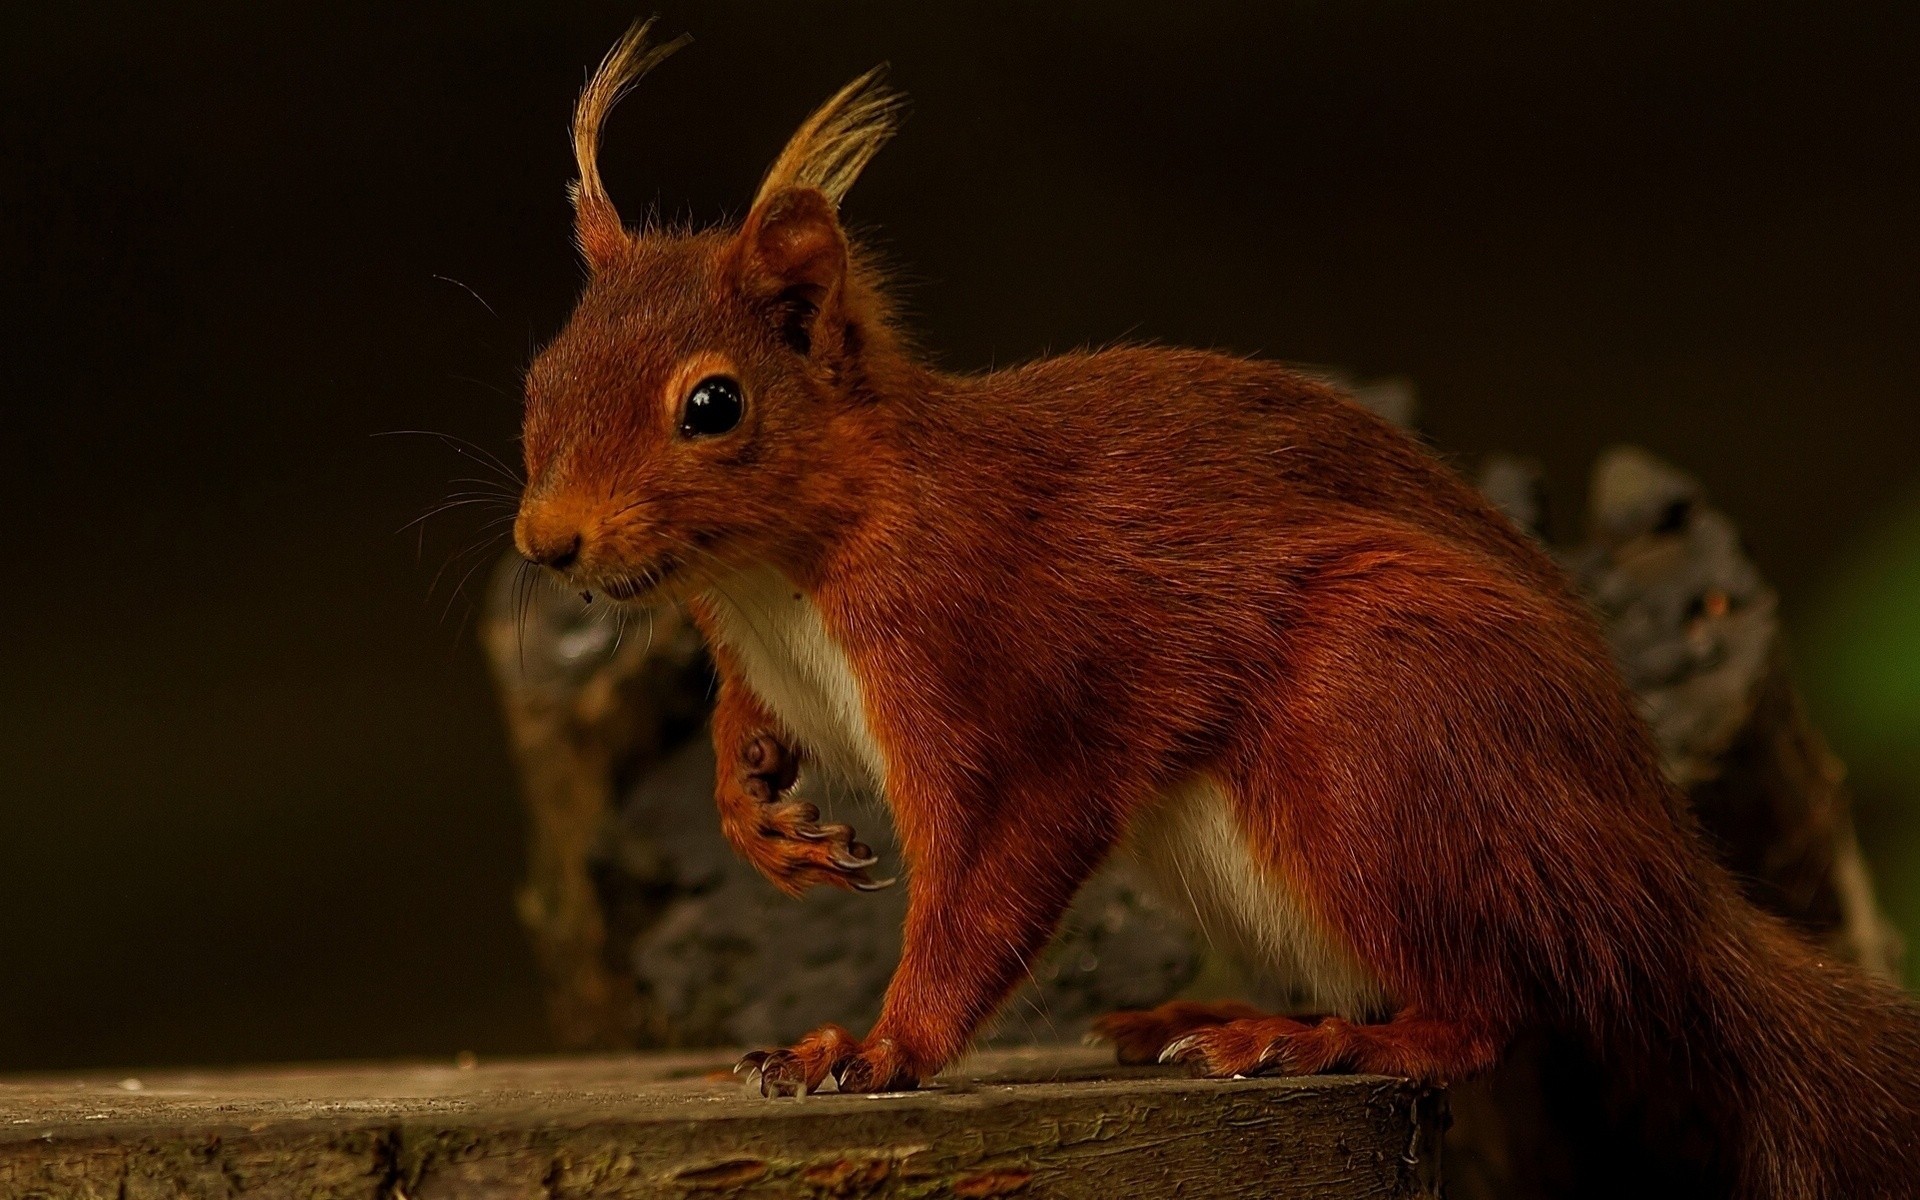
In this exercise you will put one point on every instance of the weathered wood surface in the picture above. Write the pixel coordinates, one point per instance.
(1030, 1123)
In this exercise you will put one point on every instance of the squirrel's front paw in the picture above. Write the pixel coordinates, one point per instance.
(786, 841)
(877, 1066)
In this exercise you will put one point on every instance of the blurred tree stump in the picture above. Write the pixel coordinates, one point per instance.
(1697, 633)
(588, 708)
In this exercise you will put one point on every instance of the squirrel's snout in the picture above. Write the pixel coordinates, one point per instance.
(555, 546)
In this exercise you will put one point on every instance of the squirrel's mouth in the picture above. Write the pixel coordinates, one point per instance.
(629, 587)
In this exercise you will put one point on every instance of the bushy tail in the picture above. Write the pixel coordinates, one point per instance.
(1808, 1068)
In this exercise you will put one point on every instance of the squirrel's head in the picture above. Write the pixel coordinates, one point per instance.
(687, 419)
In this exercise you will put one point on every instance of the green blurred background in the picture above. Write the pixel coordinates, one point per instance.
(254, 801)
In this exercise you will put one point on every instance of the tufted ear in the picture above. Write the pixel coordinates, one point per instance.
(792, 252)
(597, 225)
(792, 258)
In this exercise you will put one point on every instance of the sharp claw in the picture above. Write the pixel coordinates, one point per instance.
(1091, 1037)
(874, 885)
(750, 1061)
(1177, 1047)
(846, 863)
(1270, 1057)
(840, 1072)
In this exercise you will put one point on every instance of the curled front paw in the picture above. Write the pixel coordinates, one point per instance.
(785, 838)
(830, 1051)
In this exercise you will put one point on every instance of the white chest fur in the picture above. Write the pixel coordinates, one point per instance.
(1192, 846)
(797, 669)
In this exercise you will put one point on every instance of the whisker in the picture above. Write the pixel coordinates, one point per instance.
(446, 507)
(649, 498)
(463, 447)
(526, 580)
(761, 627)
(495, 485)
(495, 388)
(459, 588)
(453, 560)
(619, 626)
(469, 291)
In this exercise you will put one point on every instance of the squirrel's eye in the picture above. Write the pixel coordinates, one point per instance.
(713, 407)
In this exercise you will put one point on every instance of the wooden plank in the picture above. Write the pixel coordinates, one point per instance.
(1031, 1123)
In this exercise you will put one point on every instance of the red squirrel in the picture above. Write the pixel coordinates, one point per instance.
(1196, 608)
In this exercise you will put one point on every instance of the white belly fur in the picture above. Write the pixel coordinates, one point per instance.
(1194, 849)
(800, 672)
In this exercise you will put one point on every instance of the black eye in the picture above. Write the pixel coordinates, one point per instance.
(713, 407)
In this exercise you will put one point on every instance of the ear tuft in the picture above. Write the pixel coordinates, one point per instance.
(597, 223)
(828, 152)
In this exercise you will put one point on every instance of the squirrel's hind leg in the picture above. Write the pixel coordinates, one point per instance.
(1139, 1036)
(1428, 1049)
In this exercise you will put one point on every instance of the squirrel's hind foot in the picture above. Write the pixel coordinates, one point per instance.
(1423, 1048)
(1138, 1037)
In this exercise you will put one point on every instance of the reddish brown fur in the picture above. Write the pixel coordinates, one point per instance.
(1067, 586)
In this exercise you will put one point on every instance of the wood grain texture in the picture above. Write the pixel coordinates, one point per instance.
(1033, 1123)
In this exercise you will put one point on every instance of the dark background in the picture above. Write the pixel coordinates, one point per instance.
(254, 800)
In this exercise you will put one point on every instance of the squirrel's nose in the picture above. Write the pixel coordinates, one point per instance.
(558, 555)
(555, 548)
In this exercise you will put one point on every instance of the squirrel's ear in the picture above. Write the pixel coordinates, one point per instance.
(596, 223)
(792, 251)
(792, 258)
